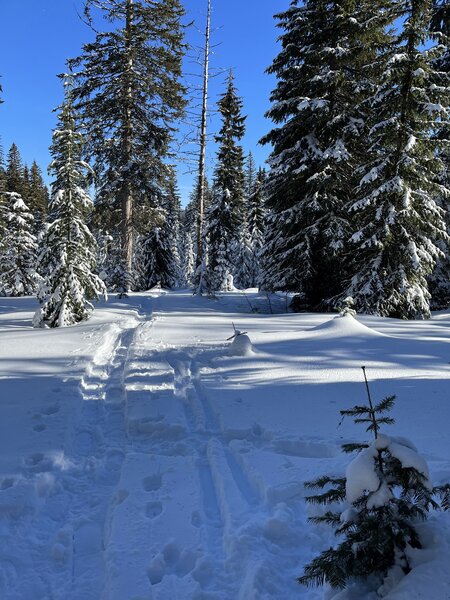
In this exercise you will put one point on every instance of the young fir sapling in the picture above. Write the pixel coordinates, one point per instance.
(385, 492)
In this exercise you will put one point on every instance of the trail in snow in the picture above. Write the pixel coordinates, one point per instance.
(181, 473)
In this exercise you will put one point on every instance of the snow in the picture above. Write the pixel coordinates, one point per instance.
(141, 459)
(361, 475)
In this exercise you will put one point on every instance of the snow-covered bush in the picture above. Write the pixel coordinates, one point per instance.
(386, 491)
(348, 307)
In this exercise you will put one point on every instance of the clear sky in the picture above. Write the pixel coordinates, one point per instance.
(37, 36)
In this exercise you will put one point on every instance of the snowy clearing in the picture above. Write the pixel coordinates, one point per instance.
(141, 459)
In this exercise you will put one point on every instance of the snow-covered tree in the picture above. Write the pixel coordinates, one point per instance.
(385, 493)
(229, 176)
(250, 175)
(15, 181)
(245, 267)
(439, 281)
(398, 220)
(68, 255)
(323, 75)
(229, 181)
(18, 276)
(129, 95)
(256, 220)
(157, 257)
(37, 194)
(215, 271)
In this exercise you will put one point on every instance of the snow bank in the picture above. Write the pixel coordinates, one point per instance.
(241, 346)
(345, 326)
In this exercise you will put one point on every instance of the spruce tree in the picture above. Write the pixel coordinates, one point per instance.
(129, 95)
(439, 281)
(38, 197)
(15, 181)
(385, 493)
(226, 215)
(68, 255)
(157, 251)
(250, 175)
(229, 179)
(257, 219)
(2, 170)
(18, 276)
(323, 76)
(215, 274)
(397, 218)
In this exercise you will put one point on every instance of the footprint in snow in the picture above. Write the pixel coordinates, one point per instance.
(51, 410)
(153, 509)
(7, 483)
(40, 427)
(196, 519)
(152, 482)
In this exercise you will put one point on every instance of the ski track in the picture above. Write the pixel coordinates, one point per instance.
(146, 421)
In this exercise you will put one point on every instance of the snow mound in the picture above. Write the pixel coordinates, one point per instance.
(241, 346)
(346, 326)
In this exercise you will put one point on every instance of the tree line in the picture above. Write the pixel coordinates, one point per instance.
(354, 201)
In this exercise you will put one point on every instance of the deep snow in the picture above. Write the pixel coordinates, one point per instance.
(141, 459)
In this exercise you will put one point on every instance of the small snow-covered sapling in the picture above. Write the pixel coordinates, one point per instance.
(386, 491)
(348, 307)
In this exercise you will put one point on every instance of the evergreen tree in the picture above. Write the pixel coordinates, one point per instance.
(439, 281)
(2, 172)
(157, 254)
(223, 231)
(257, 218)
(229, 179)
(37, 194)
(129, 95)
(397, 217)
(18, 248)
(15, 181)
(250, 175)
(385, 493)
(68, 256)
(244, 270)
(323, 77)
(215, 272)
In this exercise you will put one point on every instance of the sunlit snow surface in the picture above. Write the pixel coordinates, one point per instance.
(140, 459)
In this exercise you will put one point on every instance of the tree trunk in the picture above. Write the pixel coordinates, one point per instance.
(201, 161)
(127, 133)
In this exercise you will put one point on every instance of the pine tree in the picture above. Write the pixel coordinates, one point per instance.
(68, 256)
(323, 77)
(250, 175)
(2, 172)
(385, 493)
(215, 272)
(397, 217)
(157, 250)
(38, 197)
(257, 219)
(223, 230)
(244, 271)
(129, 94)
(15, 181)
(229, 179)
(18, 249)
(439, 281)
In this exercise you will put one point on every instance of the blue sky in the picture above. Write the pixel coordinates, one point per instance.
(36, 37)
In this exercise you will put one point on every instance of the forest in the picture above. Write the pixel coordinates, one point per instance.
(352, 203)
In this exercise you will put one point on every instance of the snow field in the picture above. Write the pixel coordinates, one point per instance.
(169, 469)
